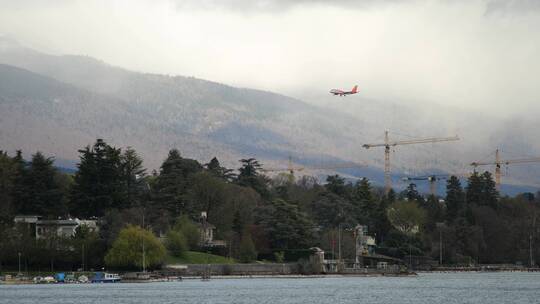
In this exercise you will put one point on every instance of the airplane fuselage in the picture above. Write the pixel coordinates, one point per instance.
(340, 93)
(337, 92)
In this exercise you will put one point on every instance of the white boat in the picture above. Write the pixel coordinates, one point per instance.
(47, 280)
(82, 279)
(104, 277)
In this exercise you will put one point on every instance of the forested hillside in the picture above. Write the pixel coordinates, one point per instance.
(58, 103)
(259, 218)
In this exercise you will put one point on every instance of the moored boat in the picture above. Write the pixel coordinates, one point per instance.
(104, 277)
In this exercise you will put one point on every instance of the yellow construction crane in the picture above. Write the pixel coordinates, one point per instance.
(291, 168)
(432, 179)
(387, 144)
(498, 162)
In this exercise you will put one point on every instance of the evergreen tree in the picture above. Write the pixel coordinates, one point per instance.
(435, 213)
(455, 198)
(249, 176)
(336, 185)
(43, 195)
(205, 193)
(481, 190)
(330, 210)
(380, 218)
(412, 194)
(490, 195)
(7, 175)
(19, 187)
(216, 169)
(173, 181)
(474, 189)
(133, 174)
(287, 227)
(99, 181)
(366, 207)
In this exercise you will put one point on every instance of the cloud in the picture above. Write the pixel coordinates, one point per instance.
(480, 55)
(512, 7)
(273, 6)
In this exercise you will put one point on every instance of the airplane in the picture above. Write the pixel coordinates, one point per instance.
(344, 93)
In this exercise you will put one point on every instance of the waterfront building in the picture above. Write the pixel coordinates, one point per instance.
(206, 232)
(61, 227)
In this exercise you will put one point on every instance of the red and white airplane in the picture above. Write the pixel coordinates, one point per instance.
(344, 93)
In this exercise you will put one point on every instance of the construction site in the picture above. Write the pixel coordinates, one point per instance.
(498, 166)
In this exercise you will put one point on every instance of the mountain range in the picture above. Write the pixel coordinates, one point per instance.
(60, 103)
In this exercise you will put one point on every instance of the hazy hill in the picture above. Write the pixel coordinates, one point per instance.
(248, 122)
(60, 103)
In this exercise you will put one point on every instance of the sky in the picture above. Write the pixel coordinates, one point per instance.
(479, 55)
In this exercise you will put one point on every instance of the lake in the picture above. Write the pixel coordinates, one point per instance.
(500, 287)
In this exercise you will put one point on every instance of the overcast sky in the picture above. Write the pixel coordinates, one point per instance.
(479, 54)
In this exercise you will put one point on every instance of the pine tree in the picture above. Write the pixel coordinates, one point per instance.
(336, 185)
(173, 182)
(455, 198)
(249, 176)
(435, 212)
(330, 210)
(382, 223)
(133, 174)
(18, 192)
(43, 194)
(481, 190)
(365, 203)
(206, 192)
(474, 189)
(215, 168)
(98, 181)
(287, 226)
(490, 195)
(7, 175)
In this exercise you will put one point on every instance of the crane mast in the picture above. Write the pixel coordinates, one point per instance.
(387, 176)
(387, 144)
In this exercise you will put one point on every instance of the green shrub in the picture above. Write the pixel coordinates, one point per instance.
(190, 231)
(247, 249)
(176, 243)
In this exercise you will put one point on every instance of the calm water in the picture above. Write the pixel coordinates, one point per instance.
(475, 288)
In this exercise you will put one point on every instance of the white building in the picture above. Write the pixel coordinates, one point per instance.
(61, 227)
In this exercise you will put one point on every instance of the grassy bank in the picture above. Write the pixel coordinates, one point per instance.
(194, 257)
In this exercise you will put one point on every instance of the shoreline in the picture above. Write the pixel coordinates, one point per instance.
(217, 277)
(492, 268)
(288, 276)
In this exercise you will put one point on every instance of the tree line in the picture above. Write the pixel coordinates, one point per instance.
(259, 217)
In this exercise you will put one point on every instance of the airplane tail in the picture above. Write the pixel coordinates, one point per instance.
(354, 89)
